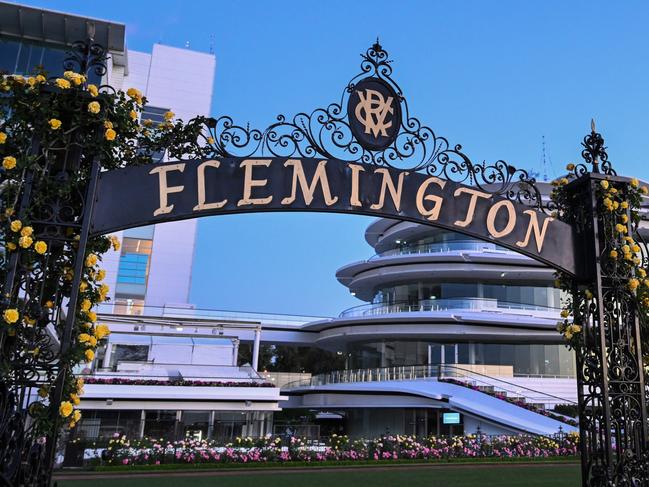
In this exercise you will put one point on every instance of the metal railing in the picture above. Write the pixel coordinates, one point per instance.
(438, 372)
(444, 247)
(427, 305)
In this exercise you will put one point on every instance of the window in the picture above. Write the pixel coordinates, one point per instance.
(156, 115)
(133, 268)
(129, 353)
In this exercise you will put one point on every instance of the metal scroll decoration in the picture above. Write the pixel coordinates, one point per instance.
(402, 141)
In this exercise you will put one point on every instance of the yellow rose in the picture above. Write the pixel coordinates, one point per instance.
(133, 115)
(94, 107)
(644, 190)
(43, 392)
(604, 184)
(570, 167)
(9, 162)
(11, 246)
(83, 286)
(624, 205)
(77, 414)
(25, 242)
(92, 89)
(565, 313)
(169, 115)
(91, 260)
(135, 94)
(49, 304)
(83, 337)
(86, 305)
(65, 409)
(635, 183)
(633, 284)
(89, 355)
(40, 247)
(101, 274)
(115, 242)
(92, 342)
(16, 225)
(40, 78)
(589, 295)
(613, 254)
(3, 137)
(210, 140)
(92, 316)
(11, 315)
(27, 231)
(101, 331)
(64, 84)
(110, 134)
(108, 124)
(55, 123)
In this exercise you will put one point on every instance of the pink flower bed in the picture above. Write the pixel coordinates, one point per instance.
(122, 451)
(122, 381)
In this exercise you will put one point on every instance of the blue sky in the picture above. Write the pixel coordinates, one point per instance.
(492, 75)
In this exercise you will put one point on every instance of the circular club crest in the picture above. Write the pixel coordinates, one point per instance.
(374, 114)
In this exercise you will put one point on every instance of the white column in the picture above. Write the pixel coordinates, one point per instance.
(106, 362)
(235, 351)
(142, 423)
(255, 348)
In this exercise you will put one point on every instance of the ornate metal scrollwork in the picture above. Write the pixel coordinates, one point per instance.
(86, 58)
(326, 132)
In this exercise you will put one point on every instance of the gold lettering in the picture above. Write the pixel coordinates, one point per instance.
(166, 190)
(475, 194)
(433, 213)
(539, 234)
(308, 190)
(511, 219)
(249, 182)
(356, 169)
(387, 183)
(202, 205)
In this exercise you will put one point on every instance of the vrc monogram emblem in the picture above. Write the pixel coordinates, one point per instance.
(374, 113)
(372, 110)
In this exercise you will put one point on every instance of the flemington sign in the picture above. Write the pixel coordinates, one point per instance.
(180, 190)
(190, 189)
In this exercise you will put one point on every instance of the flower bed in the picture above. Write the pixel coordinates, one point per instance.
(522, 404)
(121, 451)
(173, 382)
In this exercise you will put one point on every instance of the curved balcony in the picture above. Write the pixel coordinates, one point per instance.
(442, 247)
(428, 305)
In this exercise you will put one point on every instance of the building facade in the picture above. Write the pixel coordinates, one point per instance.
(453, 334)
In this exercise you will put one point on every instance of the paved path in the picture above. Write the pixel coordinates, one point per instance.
(85, 475)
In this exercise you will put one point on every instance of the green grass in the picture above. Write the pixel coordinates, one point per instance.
(327, 464)
(501, 476)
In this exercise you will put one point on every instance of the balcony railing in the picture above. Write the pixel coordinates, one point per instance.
(443, 247)
(439, 371)
(427, 305)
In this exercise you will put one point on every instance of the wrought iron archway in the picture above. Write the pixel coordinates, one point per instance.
(613, 416)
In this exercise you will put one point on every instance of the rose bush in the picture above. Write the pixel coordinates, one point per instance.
(51, 133)
(147, 451)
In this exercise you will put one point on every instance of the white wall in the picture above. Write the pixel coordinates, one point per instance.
(180, 80)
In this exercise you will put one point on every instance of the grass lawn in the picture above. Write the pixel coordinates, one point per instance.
(468, 475)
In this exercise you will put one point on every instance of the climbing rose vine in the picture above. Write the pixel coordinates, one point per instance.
(51, 131)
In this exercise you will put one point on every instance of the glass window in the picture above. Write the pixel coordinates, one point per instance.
(8, 55)
(129, 353)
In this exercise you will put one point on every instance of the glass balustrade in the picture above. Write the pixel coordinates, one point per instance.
(443, 247)
(431, 305)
